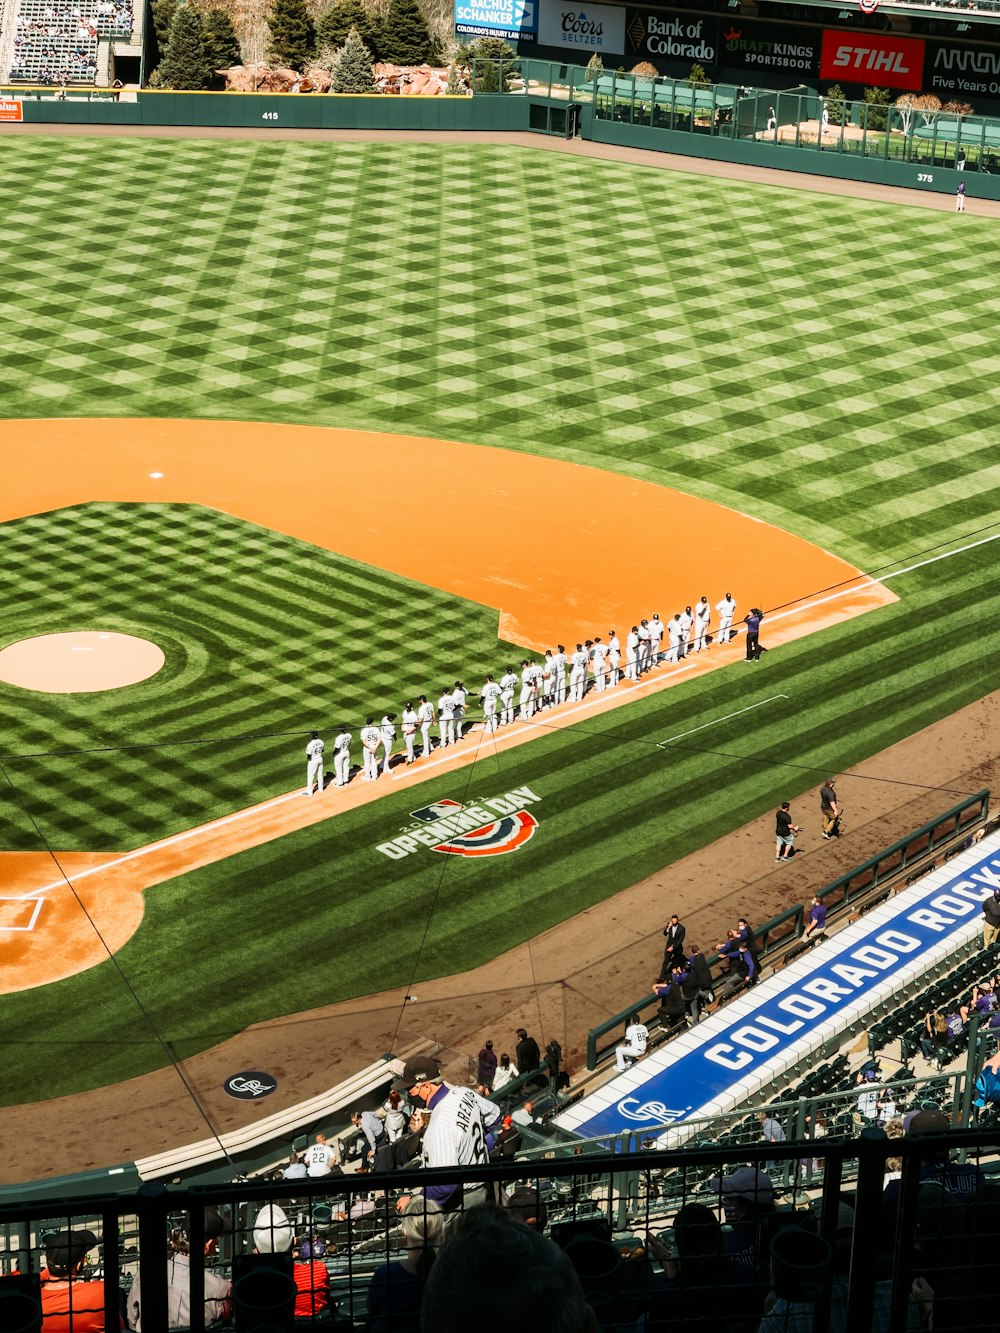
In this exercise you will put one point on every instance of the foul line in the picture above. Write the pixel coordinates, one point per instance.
(749, 708)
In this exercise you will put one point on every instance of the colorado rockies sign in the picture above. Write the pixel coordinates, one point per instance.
(490, 827)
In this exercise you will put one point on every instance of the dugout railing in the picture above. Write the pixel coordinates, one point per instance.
(857, 890)
(616, 1203)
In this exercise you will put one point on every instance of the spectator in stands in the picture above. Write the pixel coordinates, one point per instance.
(687, 1298)
(963, 1182)
(272, 1234)
(395, 1118)
(508, 1141)
(991, 919)
(456, 1132)
(397, 1288)
(526, 1055)
(505, 1073)
(868, 1096)
(528, 1282)
(697, 965)
(372, 1127)
(71, 1303)
(634, 1045)
(770, 1129)
(816, 925)
(526, 1205)
(746, 1197)
(218, 1290)
(487, 1066)
(940, 1032)
(983, 1001)
(893, 1165)
(296, 1168)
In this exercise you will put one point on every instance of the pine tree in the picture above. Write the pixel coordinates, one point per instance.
(486, 57)
(293, 34)
(352, 70)
(337, 22)
(186, 63)
(455, 86)
(406, 39)
(221, 45)
(163, 14)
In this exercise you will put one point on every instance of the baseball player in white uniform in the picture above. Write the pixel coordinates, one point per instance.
(559, 668)
(599, 656)
(702, 616)
(578, 673)
(425, 716)
(489, 696)
(508, 684)
(687, 620)
(371, 739)
(632, 654)
(459, 695)
(548, 682)
(614, 657)
(388, 730)
(527, 700)
(656, 630)
(314, 763)
(636, 1041)
(342, 757)
(675, 637)
(409, 722)
(645, 658)
(446, 718)
(726, 609)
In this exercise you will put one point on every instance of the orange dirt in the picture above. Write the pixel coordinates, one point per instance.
(499, 507)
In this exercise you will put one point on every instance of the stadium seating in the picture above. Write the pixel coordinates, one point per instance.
(56, 41)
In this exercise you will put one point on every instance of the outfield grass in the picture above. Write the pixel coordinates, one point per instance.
(825, 364)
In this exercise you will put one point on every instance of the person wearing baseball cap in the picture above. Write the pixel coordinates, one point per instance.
(456, 1132)
(71, 1303)
(218, 1290)
(272, 1234)
(746, 1197)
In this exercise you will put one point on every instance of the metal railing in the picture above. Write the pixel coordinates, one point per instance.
(858, 888)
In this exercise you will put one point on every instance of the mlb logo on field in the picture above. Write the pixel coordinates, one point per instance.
(439, 810)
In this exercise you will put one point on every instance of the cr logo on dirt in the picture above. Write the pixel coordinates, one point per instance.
(490, 827)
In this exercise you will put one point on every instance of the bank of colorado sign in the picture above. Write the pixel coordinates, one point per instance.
(581, 28)
(495, 18)
(659, 36)
(873, 59)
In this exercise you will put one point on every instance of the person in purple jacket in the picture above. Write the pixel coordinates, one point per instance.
(817, 920)
(752, 621)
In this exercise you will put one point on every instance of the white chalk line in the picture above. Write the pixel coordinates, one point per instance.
(749, 709)
(203, 829)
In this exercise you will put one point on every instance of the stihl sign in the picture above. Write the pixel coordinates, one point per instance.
(879, 62)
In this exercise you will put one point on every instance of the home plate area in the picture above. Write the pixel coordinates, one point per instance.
(19, 913)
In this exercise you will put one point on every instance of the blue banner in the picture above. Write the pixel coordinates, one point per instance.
(706, 1070)
(496, 18)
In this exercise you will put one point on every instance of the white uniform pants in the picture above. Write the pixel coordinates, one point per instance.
(600, 679)
(527, 703)
(408, 738)
(507, 711)
(425, 736)
(615, 660)
(388, 755)
(627, 1052)
(673, 650)
(459, 719)
(700, 630)
(341, 766)
(314, 774)
(371, 763)
(725, 629)
(446, 728)
(631, 671)
(560, 692)
(490, 717)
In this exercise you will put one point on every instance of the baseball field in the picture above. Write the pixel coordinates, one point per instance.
(574, 353)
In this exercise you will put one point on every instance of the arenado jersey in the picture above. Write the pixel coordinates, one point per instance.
(456, 1135)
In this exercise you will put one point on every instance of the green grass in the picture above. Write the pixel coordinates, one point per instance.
(265, 638)
(825, 364)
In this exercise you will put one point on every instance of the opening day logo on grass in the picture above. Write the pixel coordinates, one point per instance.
(474, 830)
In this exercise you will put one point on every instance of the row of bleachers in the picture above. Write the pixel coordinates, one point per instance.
(946, 991)
(56, 42)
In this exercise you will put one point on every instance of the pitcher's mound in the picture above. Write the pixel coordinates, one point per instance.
(83, 662)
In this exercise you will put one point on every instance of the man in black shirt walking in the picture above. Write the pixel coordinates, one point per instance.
(784, 831)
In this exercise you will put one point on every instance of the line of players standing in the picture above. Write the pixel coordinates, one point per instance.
(561, 677)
